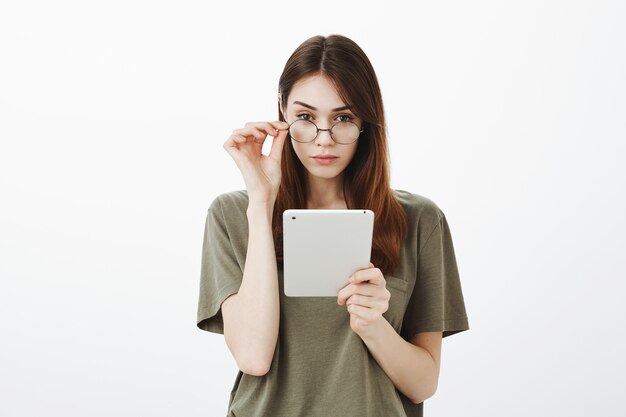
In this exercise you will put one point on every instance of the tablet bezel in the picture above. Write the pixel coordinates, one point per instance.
(323, 247)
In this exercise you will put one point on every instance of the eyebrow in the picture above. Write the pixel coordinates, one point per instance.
(313, 108)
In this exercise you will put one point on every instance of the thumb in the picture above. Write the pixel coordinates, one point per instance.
(277, 145)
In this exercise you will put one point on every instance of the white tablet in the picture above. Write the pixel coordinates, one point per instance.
(322, 248)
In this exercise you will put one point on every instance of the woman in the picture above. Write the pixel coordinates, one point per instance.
(375, 349)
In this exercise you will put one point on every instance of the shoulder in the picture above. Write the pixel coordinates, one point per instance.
(423, 215)
(419, 208)
(231, 200)
(231, 206)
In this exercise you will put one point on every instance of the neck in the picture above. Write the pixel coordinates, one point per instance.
(326, 193)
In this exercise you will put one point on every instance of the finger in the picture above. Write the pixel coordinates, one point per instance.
(266, 127)
(251, 132)
(345, 293)
(276, 151)
(371, 265)
(238, 138)
(232, 146)
(366, 313)
(234, 140)
(235, 153)
(362, 288)
(280, 125)
(366, 288)
(362, 300)
(373, 275)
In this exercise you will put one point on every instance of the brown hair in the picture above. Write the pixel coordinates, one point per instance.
(366, 178)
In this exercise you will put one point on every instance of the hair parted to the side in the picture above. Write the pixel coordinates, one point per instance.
(366, 178)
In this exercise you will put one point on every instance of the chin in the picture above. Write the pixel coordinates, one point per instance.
(325, 172)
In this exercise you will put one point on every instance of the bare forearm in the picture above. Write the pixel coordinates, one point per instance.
(257, 304)
(411, 368)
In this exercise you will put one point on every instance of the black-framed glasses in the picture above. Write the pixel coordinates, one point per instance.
(343, 133)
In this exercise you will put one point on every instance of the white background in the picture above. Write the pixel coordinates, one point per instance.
(509, 115)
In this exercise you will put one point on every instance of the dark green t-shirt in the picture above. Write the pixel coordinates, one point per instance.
(320, 366)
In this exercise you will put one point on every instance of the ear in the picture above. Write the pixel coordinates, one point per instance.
(280, 105)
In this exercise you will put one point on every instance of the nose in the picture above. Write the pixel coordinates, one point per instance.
(323, 137)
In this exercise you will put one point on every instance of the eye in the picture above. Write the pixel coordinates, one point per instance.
(304, 114)
(349, 118)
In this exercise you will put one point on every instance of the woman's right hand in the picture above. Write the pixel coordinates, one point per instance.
(261, 173)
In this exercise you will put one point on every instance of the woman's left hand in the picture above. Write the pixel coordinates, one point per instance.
(366, 298)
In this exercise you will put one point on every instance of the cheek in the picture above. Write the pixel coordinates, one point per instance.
(299, 149)
(353, 151)
(348, 155)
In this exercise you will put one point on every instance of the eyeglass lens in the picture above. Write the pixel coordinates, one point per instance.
(306, 131)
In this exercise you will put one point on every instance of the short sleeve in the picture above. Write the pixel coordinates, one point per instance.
(436, 303)
(220, 273)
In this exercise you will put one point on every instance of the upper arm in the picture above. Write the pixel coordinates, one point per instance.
(431, 342)
(221, 272)
(227, 310)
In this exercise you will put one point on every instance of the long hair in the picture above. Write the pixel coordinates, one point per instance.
(366, 178)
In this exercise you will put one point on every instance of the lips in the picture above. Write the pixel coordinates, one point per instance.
(325, 156)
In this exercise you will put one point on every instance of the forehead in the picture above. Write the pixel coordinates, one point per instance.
(316, 91)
